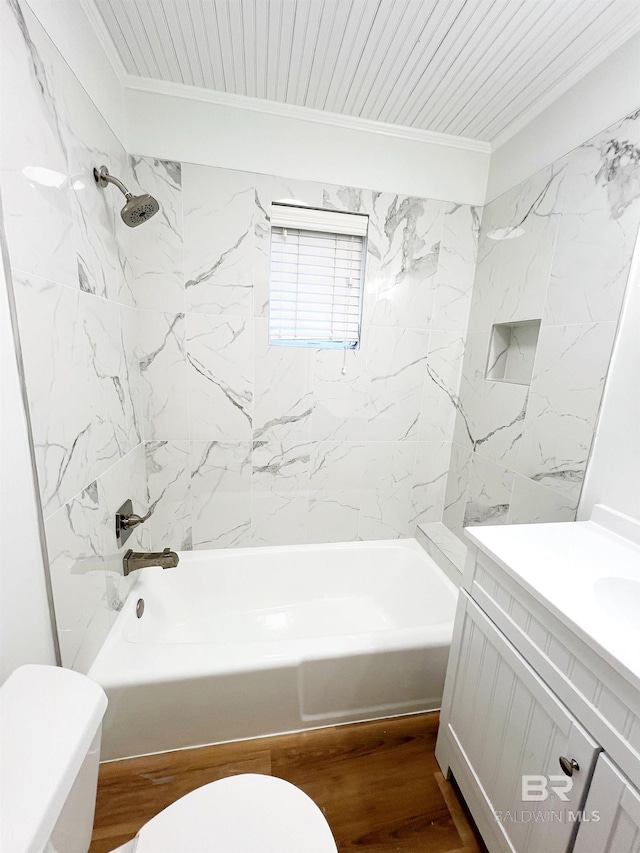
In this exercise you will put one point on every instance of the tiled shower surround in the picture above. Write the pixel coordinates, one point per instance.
(251, 444)
(520, 452)
(149, 373)
(77, 322)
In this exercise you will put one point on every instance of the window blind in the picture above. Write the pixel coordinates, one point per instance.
(316, 277)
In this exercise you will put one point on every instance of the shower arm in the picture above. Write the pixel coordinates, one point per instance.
(103, 178)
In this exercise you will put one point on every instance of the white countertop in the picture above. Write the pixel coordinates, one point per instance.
(586, 573)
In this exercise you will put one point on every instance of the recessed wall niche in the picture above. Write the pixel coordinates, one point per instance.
(512, 351)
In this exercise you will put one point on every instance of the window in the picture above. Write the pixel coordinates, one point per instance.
(316, 278)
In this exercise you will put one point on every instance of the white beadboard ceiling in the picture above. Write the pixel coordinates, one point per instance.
(478, 69)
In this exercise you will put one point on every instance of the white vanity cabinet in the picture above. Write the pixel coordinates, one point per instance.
(524, 689)
(612, 813)
(510, 727)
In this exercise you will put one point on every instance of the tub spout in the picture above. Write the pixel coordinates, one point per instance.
(134, 560)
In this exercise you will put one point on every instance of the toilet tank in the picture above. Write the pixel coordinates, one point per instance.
(50, 724)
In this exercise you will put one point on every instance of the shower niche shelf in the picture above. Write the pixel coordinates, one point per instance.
(512, 351)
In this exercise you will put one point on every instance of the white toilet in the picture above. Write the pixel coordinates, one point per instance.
(50, 725)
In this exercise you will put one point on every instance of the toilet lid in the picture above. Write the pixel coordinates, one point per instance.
(239, 814)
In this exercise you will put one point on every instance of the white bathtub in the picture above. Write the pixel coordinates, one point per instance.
(243, 643)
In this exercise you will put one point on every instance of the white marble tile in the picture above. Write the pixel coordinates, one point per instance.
(94, 209)
(283, 397)
(512, 274)
(280, 466)
(164, 375)
(403, 245)
(441, 543)
(53, 348)
(440, 401)
(113, 410)
(409, 263)
(397, 369)
(219, 208)
(341, 391)
(501, 417)
(90, 143)
(456, 267)
(119, 164)
(268, 189)
(221, 493)
(429, 482)
(471, 387)
(33, 158)
(223, 522)
(279, 518)
(455, 496)
(337, 465)
(130, 330)
(600, 201)
(334, 516)
(521, 352)
(155, 249)
(168, 472)
(566, 389)
(220, 361)
(386, 499)
(488, 494)
(532, 503)
(49, 149)
(77, 567)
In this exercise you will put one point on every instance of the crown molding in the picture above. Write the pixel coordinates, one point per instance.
(224, 99)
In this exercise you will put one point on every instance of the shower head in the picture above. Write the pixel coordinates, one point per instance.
(138, 208)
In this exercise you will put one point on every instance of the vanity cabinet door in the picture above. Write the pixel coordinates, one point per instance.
(612, 813)
(506, 724)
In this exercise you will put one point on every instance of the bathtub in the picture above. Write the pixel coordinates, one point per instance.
(243, 643)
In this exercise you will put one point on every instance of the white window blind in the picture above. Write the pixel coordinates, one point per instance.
(316, 278)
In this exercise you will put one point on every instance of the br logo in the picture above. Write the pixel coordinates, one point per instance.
(536, 788)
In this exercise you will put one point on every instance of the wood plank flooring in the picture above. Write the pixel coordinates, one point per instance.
(378, 784)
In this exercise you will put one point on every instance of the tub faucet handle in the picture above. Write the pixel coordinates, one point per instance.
(134, 520)
(126, 520)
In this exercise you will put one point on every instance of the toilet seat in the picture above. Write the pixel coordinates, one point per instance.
(249, 813)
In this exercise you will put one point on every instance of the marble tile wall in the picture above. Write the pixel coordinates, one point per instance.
(520, 452)
(77, 323)
(251, 444)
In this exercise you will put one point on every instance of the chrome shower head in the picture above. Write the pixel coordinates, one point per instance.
(138, 208)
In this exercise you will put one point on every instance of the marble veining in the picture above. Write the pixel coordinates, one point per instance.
(219, 209)
(219, 354)
(520, 453)
(155, 252)
(304, 430)
(75, 303)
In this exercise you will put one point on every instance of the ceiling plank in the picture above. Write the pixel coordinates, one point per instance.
(473, 68)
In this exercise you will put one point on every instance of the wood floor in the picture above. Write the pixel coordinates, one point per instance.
(377, 783)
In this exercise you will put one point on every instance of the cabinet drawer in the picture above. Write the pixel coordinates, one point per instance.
(592, 690)
(506, 725)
